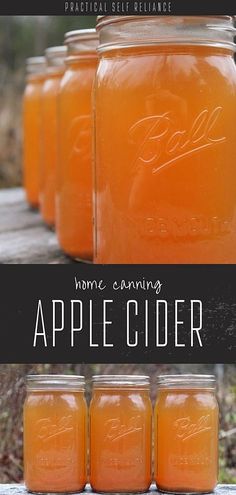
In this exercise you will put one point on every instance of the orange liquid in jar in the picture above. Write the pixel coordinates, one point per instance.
(120, 440)
(186, 441)
(165, 155)
(32, 137)
(74, 181)
(49, 145)
(55, 429)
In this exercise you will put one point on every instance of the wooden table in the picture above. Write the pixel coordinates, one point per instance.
(20, 490)
(24, 239)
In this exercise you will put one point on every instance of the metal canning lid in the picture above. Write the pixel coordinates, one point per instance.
(55, 56)
(55, 51)
(55, 382)
(35, 60)
(83, 42)
(111, 19)
(80, 34)
(186, 381)
(125, 31)
(35, 65)
(110, 381)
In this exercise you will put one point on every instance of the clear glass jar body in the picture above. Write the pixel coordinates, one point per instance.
(120, 438)
(168, 192)
(186, 438)
(32, 136)
(55, 439)
(74, 178)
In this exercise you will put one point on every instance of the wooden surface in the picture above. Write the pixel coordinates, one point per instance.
(20, 490)
(23, 237)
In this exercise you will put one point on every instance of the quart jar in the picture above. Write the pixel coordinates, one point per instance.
(35, 69)
(186, 434)
(74, 181)
(165, 177)
(55, 434)
(55, 57)
(120, 434)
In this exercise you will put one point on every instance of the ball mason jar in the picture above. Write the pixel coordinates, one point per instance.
(55, 434)
(35, 73)
(165, 155)
(74, 175)
(55, 58)
(186, 434)
(120, 434)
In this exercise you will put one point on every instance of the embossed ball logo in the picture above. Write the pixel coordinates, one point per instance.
(116, 429)
(47, 428)
(161, 144)
(186, 428)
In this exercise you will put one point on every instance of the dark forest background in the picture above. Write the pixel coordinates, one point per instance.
(22, 37)
(12, 394)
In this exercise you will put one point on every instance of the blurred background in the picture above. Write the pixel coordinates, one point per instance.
(22, 37)
(12, 395)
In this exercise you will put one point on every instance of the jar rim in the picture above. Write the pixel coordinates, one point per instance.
(120, 380)
(80, 34)
(213, 31)
(35, 60)
(56, 51)
(57, 382)
(111, 19)
(186, 380)
(55, 57)
(35, 65)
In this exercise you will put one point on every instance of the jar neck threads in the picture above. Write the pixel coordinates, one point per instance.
(55, 58)
(121, 32)
(121, 381)
(186, 381)
(55, 382)
(35, 66)
(81, 42)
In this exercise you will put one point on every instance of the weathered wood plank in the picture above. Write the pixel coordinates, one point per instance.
(20, 490)
(11, 196)
(35, 245)
(18, 218)
(23, 237)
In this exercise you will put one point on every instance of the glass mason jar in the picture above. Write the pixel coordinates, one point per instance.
(120, 434)
(74, 180)
(186, 434)
(35, 73)
(165, 178)
(55, 434)
(55, 57)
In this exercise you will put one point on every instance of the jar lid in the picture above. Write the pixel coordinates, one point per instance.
(111, 19)
(186, 381)
(35, 65)
(110, 381)
(81, 41)
(80, 34)
(55, 56)
(55, 382)
(125, 31)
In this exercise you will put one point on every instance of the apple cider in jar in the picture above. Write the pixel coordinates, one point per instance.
(120, 434)
(35, 68)
(74, 174)
(186, 434)
(55, 431)
(165, 154)
(55, 57)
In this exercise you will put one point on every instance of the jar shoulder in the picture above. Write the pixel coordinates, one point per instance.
(185, 400)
